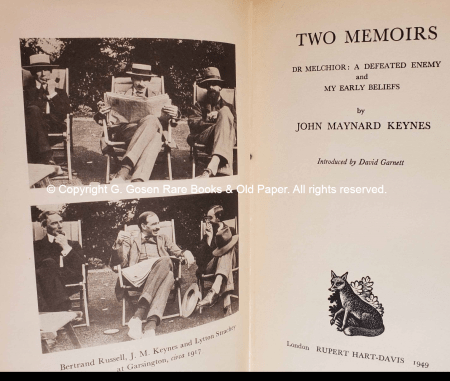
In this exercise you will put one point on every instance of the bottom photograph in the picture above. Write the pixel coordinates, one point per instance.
(114, 271)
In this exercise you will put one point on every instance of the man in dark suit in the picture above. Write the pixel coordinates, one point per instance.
(217, 254)
(213, 123)
(58, 262)
(46, 108)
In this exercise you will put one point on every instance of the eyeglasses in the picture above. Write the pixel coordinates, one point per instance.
(207, 218)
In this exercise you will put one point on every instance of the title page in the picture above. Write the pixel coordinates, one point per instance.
(350, 185)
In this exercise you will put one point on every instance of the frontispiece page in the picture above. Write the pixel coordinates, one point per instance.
(350, 169)
(126, 241)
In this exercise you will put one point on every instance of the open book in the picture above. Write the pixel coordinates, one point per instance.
(327, 246)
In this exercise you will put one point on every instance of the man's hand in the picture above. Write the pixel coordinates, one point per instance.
(61, 240)
(101, 113)
(212, 116)
(209, 233)
(51, 86)
(102, 108)
(189, 258)
(123, 236)
(170, 110)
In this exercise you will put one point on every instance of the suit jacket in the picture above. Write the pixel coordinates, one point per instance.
(59, 104)
(197, 115)
(127, 254)
(73, 261)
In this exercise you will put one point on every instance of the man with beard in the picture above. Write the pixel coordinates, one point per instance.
(144, 139)
(46, 108)
(58, 262)
(213, 123)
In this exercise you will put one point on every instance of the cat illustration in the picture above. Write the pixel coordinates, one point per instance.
(360, 318)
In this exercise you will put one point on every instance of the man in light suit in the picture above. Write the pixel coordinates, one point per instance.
(144, 138)
(46, 108)
(58, 262)
(145, 259)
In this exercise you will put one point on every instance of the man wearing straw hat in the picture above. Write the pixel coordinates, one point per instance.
(144, 138)
(46, 108)
(213, 123)
(219, 247)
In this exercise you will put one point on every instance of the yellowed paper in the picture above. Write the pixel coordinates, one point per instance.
(398, 237)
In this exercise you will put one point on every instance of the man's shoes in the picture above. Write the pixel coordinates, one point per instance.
(225, 170)
(191, 139)
(206, 173)
(135, 328)
(149, 333)
(209, 300)
(117, 180)
(228, 311)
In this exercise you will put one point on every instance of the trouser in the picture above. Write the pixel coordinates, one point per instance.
(144, 143)
(51, 280)
(157, 287)
(220, 137)
(223, 266)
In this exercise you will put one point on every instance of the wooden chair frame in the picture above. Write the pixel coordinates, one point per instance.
(123, 82)
(232, 223)
(72, 229)
(177, 269)
(28, 80)
(199, 93)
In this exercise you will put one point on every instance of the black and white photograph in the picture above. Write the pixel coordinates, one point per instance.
(114, 110)
(115, 271)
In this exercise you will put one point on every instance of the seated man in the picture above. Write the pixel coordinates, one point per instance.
(144, 139)
(58, 262)
(46, 108)
(217, 255)
(213, 123)
(146, 263)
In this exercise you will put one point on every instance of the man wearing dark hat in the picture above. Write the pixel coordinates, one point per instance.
(213, 123)
(46, 108)
(146, 264)
(219, 247)
(144, 138)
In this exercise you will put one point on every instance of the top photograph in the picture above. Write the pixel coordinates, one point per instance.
(116, 110)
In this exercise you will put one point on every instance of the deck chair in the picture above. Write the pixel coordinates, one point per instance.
(210, 277)
(198, 150)
(61, 77)
(72, 229)
(121, 86)
(167, 228)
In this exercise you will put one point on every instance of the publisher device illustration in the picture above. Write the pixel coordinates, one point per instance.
(355, 310)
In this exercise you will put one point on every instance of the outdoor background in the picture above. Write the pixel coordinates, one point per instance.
(92, 62)
(102, 221)
(100, 224)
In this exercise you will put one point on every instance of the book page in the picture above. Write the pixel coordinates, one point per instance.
(99, 226)
(350, 176)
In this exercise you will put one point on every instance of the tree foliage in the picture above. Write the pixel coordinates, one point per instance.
(101, 221)
(92, 62)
